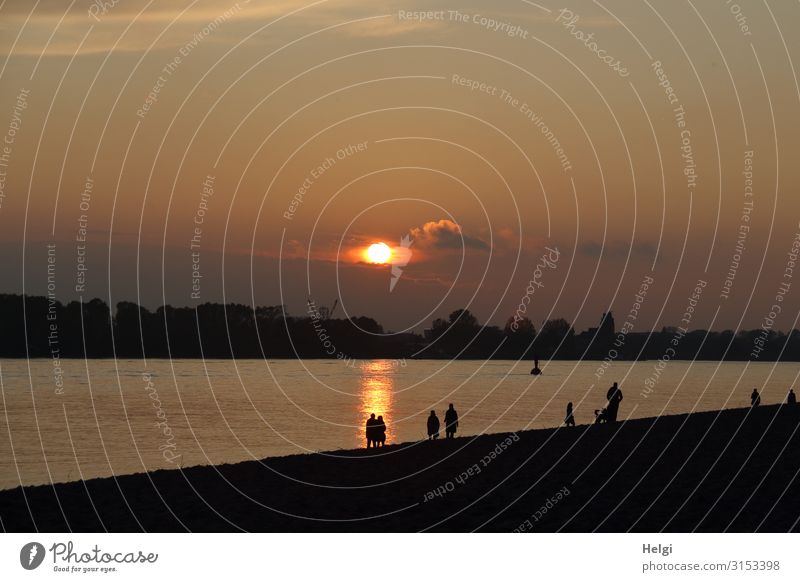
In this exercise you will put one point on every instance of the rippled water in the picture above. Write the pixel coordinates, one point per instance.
(117, 417)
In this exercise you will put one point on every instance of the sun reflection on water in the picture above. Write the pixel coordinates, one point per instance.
(376, 395)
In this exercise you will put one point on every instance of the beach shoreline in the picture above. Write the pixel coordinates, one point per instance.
(729, 470)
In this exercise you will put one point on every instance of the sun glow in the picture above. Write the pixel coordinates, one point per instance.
(379, 253)
(376, 396)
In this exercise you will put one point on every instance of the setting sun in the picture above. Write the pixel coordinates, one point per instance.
(379, 253)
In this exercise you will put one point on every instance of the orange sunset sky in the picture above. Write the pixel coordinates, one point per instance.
(263, 145)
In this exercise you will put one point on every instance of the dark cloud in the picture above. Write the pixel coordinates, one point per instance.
(445, 234)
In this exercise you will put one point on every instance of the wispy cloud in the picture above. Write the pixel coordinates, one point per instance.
(128, 26)
(134, 25)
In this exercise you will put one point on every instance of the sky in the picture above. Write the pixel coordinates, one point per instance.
(521, 157)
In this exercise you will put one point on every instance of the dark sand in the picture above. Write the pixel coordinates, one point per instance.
(735, 470)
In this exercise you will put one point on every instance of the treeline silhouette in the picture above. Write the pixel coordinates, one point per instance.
(42, 327)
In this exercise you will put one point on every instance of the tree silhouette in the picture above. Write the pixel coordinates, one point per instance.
(42, 327)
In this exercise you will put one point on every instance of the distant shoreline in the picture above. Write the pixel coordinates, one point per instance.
(304, 359)
(35, 326)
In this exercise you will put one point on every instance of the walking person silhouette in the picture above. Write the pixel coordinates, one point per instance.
(433, 426)
(614, 396)
(570, 418)
(450, 422)
(755, 398)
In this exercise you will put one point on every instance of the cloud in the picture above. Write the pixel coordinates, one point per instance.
(54, 28)
(85, 29)
(130, 26)
(445, 234)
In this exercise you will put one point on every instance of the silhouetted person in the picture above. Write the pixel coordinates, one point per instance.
(755, 398)
(380, 432)
(433, 426)
(600, 416)
(371, 422)
(570, 419)
(450, 422)
(614, 396)
(536, 370)
(791, 399)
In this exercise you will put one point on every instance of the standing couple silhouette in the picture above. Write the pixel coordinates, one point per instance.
(450, 424)
(376, 431)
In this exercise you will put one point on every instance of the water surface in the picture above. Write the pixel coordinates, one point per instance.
(128, 416)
